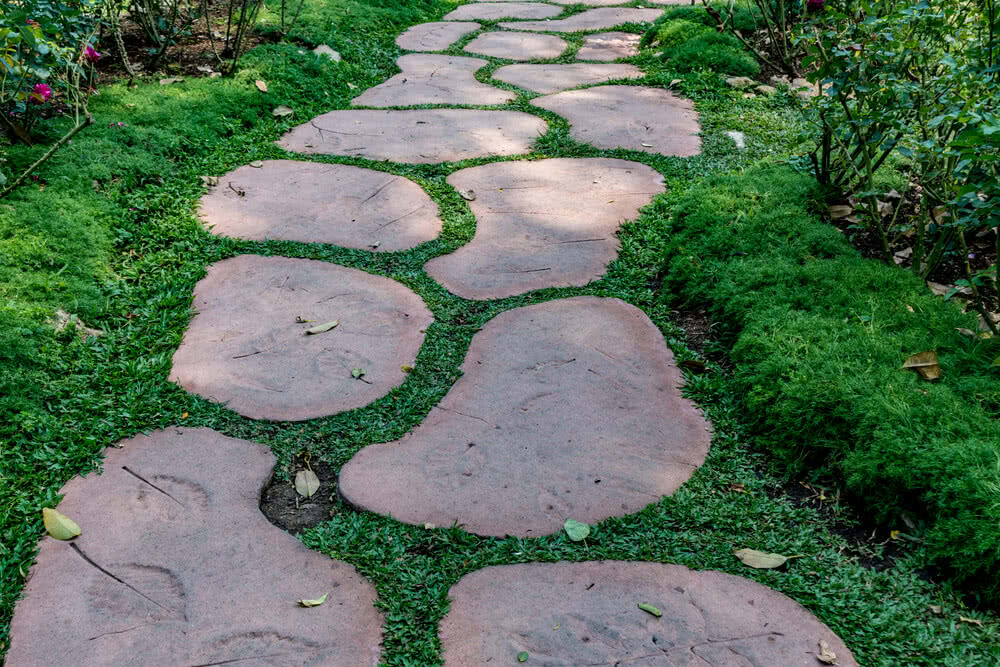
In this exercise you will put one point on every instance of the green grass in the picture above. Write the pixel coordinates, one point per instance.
(125, 256)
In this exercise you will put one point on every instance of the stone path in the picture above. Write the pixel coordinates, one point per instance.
(530, 233)
(569, 408)
(569, 614)
(248, 346)
(313, 202)
(177, 566)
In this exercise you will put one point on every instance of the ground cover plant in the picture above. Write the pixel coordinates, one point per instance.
(125, 255)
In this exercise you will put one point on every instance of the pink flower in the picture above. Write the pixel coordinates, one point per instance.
(41, 93)
(91, 54)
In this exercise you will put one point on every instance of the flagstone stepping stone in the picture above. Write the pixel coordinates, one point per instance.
(434, 79)
(545, 223)
(491, 11)
(313, 202)
(565, 409)
(417, 136)
(592, 19)
(587, 614)
(607, 46)
(247, 346)
(177, 566)
(517, 45)
(434, 36)
(554, 78)
(651, 120)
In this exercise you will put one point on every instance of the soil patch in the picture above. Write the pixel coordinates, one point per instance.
(286, 509)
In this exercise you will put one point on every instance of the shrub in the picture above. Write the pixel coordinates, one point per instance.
(674, 33)
(715, 51)
(818, 336)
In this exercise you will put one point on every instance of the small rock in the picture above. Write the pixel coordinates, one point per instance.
(766, 90)
(282, 111)
(740, 82)
(748, 96)
(780, 81)
(738, 138)
(324, 50)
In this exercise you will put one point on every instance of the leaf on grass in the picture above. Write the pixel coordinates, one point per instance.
(173, 79)
(261, 86)
(210, 181)
(282, 111)
(966, 332)
(306, 483)
(826, 656)
(320, 328)
(935, 609)
(760, 560)
(971, 621)
(996, 362)
(840, 211)
(468, 195)
(522, 656)
(924, 363)
(650, 609)
(356, 373)
(59, 525)
(575, 530)
(314, 603)
(204, 69)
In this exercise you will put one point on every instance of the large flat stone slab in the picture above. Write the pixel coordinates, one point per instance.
(177, 566)
(491, 11)
(592, 19)
(312, 202)
(565, 409)
(606, 46)
(545, 223)
(651, 120)
(247, 348)
(434, 36)
(434, 79)
(517, 45)
(417, 136)
(555, 78)
(570, 614)
(611, 3)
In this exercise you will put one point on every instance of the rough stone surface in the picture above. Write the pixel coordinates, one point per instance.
(554, 78)
(651, 120)
(434, 36)
(177, 566)
(492, 11)
(606, 46)
(245, 349)
(565, 409)
(324, 50)
(313, 202)
(417, 136)
(592, 19)
(434, 79)
(517, 45)
(545, 223)
(586, 614)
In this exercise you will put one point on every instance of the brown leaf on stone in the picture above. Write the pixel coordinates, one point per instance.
(924, 363)
(826, 656)
(261, 86)
(760, 560)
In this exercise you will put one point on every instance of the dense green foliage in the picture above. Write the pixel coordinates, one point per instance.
(714, 51)
(820, 335)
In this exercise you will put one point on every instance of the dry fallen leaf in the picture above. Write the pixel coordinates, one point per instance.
(261, 86)
(966, 332)
(468, 195)
(357, 373)
(282, 111)
(935, 609)
(173, 79)
(647, 145)
(306, 483)
(320, 328)
(924, 363)
(971, 621)
(760, 560)
(839, 211)
(257, 164)
(59, 525)
(314, 603)
(826, 656)
(430, 526)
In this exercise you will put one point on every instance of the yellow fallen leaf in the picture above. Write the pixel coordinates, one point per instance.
(924, 363)
(59, 525)
(314, 603)
(760, 560)
(406, 368)
(894, 534)
(184, 416)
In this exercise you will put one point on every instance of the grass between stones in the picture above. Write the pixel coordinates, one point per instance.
(126, 250)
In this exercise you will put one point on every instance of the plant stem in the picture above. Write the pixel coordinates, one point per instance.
(88, 120)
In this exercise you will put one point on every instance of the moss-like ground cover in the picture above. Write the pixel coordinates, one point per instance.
(110, 235)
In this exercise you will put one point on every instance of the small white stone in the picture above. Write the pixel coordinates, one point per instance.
(738, 138)
(324, 50)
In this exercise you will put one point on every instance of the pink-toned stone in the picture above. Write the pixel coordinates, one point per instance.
(434, 79)
(417, 136)
(545, 223)
(570, 614)
(313, 202)
(607, 46)
(177, 566)
(556, 77)
(565, 409)
(651, 120)
(492, 11)
(434, 36)
(592, 19)
(596, 3)
(517, 45)
(246, 348)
